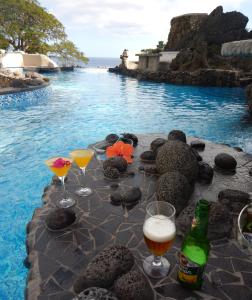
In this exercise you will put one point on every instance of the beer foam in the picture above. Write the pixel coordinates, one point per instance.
(159, 229)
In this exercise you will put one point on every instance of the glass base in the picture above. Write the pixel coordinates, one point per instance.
(156, 271)
(84, 192)
(66, 203)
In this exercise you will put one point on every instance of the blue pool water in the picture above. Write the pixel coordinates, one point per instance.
(82, 107)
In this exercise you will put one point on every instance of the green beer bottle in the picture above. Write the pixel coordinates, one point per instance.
(195, 249)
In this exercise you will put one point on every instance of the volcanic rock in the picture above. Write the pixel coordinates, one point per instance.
(116, 198)
(111, 173)
(177, 135)
(225, 161)
(60, 218)
(196, 154)
(133, 286)
(174, 188)
(198, 145)
(151, 170)
(238, 149)
(117, 162)
(132, 137)
(112, 138)
(148, 156)
(34, 82)
(96, 293)
(18, 83)
(220, 222)
(132, 196)
(206, 173)
(235, 200)
(177, 156)
(105, 268)
(155, 144)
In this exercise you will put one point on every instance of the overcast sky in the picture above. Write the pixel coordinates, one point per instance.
(103, 28)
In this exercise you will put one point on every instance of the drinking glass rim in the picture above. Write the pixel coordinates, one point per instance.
(155, 215)
(87, 149)
(57, 157)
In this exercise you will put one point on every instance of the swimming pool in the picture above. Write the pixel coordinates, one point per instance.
(82, 107)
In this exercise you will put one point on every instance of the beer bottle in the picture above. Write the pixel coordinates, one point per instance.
(195, 249)
(247, 229)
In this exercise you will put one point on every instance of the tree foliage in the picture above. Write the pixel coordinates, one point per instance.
(27, 26)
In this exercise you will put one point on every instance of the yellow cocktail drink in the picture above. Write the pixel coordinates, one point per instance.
(59, 165)
(82, 157)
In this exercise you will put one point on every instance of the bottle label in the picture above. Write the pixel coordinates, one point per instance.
(189, 271)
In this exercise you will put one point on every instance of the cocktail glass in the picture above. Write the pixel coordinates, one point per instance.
(82, 157)
(159, 233)
(60, 167)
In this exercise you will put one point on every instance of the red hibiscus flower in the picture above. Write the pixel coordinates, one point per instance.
(121, 149)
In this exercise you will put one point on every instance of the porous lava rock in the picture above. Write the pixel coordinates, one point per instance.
(111, 173)
(206, 172)
(128, 197)
(173, 187)
(177, 156)
(155, 144)
(18, 83)
(105, 268)
(117, 162)
(220, 222)
(60, 218)
(219, 225)
(177, 135)
(198, 145)
(196, 154)
(132, 137)
(133, 286)
(96, 293)
(112, 138)
(148, 156)
(235, 200)
(151, 170)
(225, 161)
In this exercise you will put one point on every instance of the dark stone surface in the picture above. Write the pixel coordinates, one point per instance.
(103, 270)
(177, 156)
(234, 199)
(225, 161)
(196, 154)
(197, 144)
(148, 156)
(60, 218)
(111, 173)
(101, 225)
(155, 144)
(116, 162)
(133, 285)
(112, 138)
(206, 173)
(132, 137)
(177, 135)
(174, 188)
(96, 293)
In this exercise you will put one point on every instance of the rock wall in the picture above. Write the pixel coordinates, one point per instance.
(201, 77)
(183, 29)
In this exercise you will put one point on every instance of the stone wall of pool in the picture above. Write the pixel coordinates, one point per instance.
(60, 261)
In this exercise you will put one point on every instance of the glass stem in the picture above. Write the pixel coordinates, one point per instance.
(83, 172)
(62, 178)
(157, 261)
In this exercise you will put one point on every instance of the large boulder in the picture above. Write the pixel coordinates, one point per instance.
(177, 156)
(225, 161)
(173, 187)
(105, 268)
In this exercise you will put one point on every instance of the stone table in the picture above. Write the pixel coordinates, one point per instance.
(56, 259)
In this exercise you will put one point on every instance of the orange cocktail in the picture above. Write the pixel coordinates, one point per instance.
(60, 167)
(82, 157)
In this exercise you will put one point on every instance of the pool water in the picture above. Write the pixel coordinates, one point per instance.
(82, 107)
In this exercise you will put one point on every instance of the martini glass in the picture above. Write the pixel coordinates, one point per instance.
(82, 157)
(60, 167)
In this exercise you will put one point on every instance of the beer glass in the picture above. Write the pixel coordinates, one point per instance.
(159, 233)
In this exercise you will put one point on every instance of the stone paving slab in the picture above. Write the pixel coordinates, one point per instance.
(56, 259)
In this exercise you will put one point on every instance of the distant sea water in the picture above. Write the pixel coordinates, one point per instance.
(102, 62)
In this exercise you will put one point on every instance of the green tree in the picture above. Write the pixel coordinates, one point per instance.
(68, 52)
(27, 26)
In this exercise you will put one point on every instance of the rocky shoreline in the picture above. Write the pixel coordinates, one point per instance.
(201, 77)
(15, 82)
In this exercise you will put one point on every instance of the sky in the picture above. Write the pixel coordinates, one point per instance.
(103, 28)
